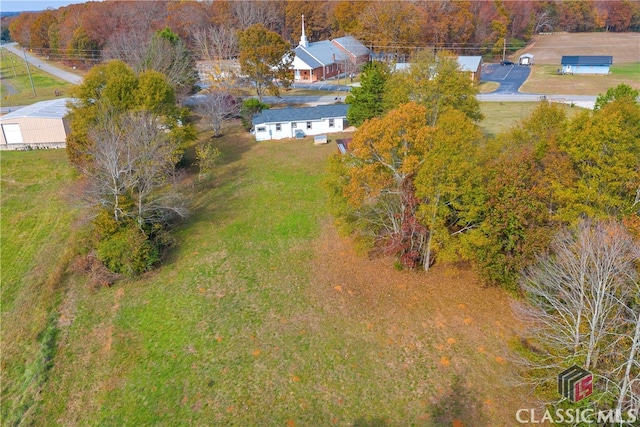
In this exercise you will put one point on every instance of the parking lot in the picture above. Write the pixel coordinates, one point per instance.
(510, 77)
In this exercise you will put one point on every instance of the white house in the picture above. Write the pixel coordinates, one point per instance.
(287, 122)
(586, 64)
(40, 125)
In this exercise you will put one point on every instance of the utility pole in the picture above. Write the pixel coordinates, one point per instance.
(504, 47)
(29, 72)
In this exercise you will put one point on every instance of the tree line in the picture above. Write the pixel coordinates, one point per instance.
(549, 209)
(81, 32)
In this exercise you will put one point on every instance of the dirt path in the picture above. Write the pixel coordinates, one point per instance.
(470, 324)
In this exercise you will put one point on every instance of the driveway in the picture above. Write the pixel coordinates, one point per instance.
(510, 77)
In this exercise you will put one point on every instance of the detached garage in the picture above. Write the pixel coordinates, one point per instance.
(586, 64)
(41, 125)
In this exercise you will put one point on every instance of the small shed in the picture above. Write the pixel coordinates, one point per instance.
(471, 65)
(526, 59)
(586, 64)
(286, 122)
(40, 125)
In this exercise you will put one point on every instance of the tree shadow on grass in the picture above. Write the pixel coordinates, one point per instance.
(458, 407)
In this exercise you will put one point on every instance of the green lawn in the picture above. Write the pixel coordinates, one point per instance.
(230, 330)
(16, 86)
(36, 241)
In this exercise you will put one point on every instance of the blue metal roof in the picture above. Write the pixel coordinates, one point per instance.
(285, 115)
(324, 51)
(306, 58)
(587, 60)
(353, 46)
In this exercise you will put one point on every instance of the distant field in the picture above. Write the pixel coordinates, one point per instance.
(15, 87)
(545, 79)
(500, 116)
(548, 49)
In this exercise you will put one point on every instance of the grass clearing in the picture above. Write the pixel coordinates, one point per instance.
(16, 86)
(500, 116)
(262, 315)
(545, 79)
(37, 245)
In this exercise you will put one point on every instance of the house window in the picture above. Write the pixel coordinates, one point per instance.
(331, 123)
(278, 127)
(308, 125)
(294, 125)
(261, 129)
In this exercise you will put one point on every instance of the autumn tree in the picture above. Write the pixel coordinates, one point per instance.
(81, 47)
(516, 225)
(620, 92)
(127, 135)
(116, 86)
(436, 82)
(217, 107)
(581, 307)
(265, 58)
(605, 154)
(219, 46)
(386, 153)
(163, 52)
(40, 30)
(131, 188)
(346, 14)
(317, 22)
(366, 101)
(389, 26)
(246, 14)
(447, 184)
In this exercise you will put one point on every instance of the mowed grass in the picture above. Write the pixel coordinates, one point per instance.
(231, 330)
(35, 238)
(545, 79)
(16, 86)
(500, 116)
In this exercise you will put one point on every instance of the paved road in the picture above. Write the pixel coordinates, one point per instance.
(45, 66)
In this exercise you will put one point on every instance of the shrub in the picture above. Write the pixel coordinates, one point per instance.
(250, 107)
(128, 251)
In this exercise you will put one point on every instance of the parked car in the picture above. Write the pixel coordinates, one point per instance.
(506, 62)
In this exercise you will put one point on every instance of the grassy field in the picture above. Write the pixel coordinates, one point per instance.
(37, 245)
(545, 79)
(261, 315)
(502, 115)
(16, 86)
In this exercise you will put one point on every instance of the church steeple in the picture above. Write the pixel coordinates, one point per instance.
(303, 37)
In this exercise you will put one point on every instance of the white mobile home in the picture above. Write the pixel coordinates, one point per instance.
(41, 125)
(289, 122)
(586, 64)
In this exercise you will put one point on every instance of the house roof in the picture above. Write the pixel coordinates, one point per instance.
(54, 109)
(587, 60)
(351, 45)
(469, 63)
(306, 58)
(283, 115)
